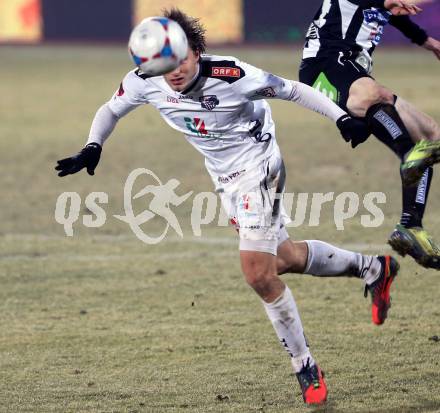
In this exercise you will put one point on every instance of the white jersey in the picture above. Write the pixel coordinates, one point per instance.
(223, 112)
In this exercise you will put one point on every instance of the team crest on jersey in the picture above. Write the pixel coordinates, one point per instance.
(209, 102)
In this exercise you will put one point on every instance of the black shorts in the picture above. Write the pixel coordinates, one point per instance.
(332, 75)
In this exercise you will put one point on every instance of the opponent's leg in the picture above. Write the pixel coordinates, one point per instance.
(397, 126)
(420, 125)
(260, 271)
(426, 133)
(325, 260)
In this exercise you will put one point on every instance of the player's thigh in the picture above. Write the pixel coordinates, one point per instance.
(366, 92)
(419, 124)
(292, 257)
(257, 266)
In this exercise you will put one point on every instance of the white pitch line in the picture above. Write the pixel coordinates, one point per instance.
(221, 241)
(120, 257)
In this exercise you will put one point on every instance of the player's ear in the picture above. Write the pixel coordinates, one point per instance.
(196, 55)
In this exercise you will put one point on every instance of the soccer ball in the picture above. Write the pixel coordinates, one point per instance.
(158, 45)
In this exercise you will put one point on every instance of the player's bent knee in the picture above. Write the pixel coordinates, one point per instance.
(260, 283)
(292, 257)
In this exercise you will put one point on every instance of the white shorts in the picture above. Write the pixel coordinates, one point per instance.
(252, 198)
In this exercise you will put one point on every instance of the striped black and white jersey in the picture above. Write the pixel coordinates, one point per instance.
(354, 25)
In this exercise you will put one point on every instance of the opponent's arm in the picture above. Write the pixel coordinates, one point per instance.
(396, 7)
(409, 29)
(433, 45)
(415, 33)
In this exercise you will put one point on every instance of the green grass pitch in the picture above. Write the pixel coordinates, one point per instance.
(101, 322)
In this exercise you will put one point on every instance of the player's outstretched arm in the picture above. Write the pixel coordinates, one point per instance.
(129, 96)
(258, 84)
(352, 130)
(102, 126)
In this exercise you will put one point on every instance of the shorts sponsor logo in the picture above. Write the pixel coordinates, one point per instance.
(230, 177)
(323, 85)
(209, 102)
(225, 71)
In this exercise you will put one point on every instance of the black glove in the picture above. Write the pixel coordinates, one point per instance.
(88, 158)
(353, 130)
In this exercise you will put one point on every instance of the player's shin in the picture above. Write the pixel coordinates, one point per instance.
(286, 321)
(414, 199)
(326, 260)
(386, 124)
(377, 272)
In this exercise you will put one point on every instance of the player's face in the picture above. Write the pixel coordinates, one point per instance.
(179, 78)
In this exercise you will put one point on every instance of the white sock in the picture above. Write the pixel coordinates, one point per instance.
(285, 319)
(327, 260)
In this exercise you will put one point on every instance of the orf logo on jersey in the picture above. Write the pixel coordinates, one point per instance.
(225, 71)
(209, 102)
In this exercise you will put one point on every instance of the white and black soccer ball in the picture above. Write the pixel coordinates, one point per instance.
(158, 45)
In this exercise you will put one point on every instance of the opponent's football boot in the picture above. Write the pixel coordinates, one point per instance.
(417, 243)
(380, 289)
(313, 387)
(423, 154)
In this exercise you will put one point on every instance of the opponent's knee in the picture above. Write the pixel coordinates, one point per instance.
(365, 93)
(433, 132)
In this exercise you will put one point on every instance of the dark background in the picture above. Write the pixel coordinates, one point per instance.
(264, 21)
(86, 19)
